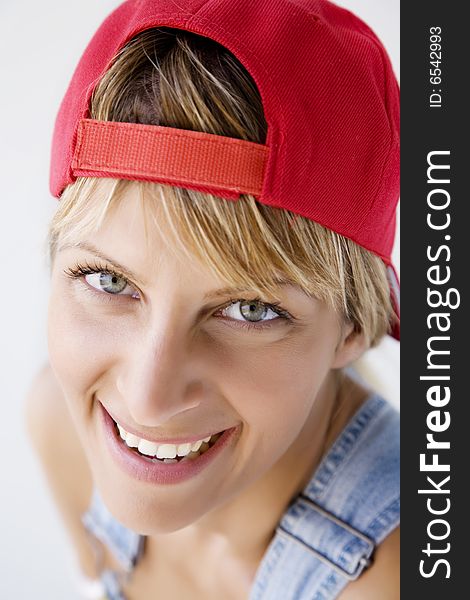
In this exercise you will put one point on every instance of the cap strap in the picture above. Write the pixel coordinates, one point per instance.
(168, 155)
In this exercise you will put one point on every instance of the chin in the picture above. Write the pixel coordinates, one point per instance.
(149, 512)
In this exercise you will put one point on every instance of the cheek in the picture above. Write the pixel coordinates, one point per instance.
(273, 388)
(79, 346)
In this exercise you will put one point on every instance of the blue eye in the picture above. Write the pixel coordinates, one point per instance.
(244, 314)
(104, 281)
(253, 311)
(254, 315)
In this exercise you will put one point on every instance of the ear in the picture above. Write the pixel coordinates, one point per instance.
(351, 346)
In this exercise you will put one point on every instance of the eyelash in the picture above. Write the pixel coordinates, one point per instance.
(79, 271)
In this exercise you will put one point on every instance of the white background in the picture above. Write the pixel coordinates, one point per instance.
(39, 47)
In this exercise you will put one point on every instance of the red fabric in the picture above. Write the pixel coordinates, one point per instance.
(330, 97)
(167, 154)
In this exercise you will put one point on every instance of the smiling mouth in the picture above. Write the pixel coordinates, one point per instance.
(192, 455)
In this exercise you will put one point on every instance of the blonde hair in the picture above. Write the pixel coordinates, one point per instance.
(179, 79)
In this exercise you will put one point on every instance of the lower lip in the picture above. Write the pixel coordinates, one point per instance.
(154, 472)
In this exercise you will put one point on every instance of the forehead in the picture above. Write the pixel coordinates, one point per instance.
(127, 227)
(156, 227)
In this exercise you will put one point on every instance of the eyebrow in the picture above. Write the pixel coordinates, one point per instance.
(128, 274)
(234, 290)
(226, 291)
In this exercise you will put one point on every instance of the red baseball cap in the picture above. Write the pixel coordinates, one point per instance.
(330, 98)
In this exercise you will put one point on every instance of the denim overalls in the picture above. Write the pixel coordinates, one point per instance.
(328, 533)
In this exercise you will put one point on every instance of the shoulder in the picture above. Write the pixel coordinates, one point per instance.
(44, 404)
(62, 458)
(376, 463)
(382, 579)
(359, 484)
(54, 440)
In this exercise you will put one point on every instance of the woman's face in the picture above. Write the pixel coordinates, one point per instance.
(172, 356)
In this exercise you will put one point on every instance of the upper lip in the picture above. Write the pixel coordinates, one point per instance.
(173, 440)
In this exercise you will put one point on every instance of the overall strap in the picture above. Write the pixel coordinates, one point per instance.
(126, 545)
(329, 532)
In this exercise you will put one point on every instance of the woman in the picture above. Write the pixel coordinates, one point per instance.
(228, 176)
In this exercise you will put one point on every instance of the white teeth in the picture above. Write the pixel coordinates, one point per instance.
(184, 449)
(147, 448)
(132, 440)
(167, 452)
(195, 447)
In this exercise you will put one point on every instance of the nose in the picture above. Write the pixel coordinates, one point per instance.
(157, 380)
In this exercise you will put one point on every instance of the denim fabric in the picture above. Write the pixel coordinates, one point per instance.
(125, 545)
(328, 533)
